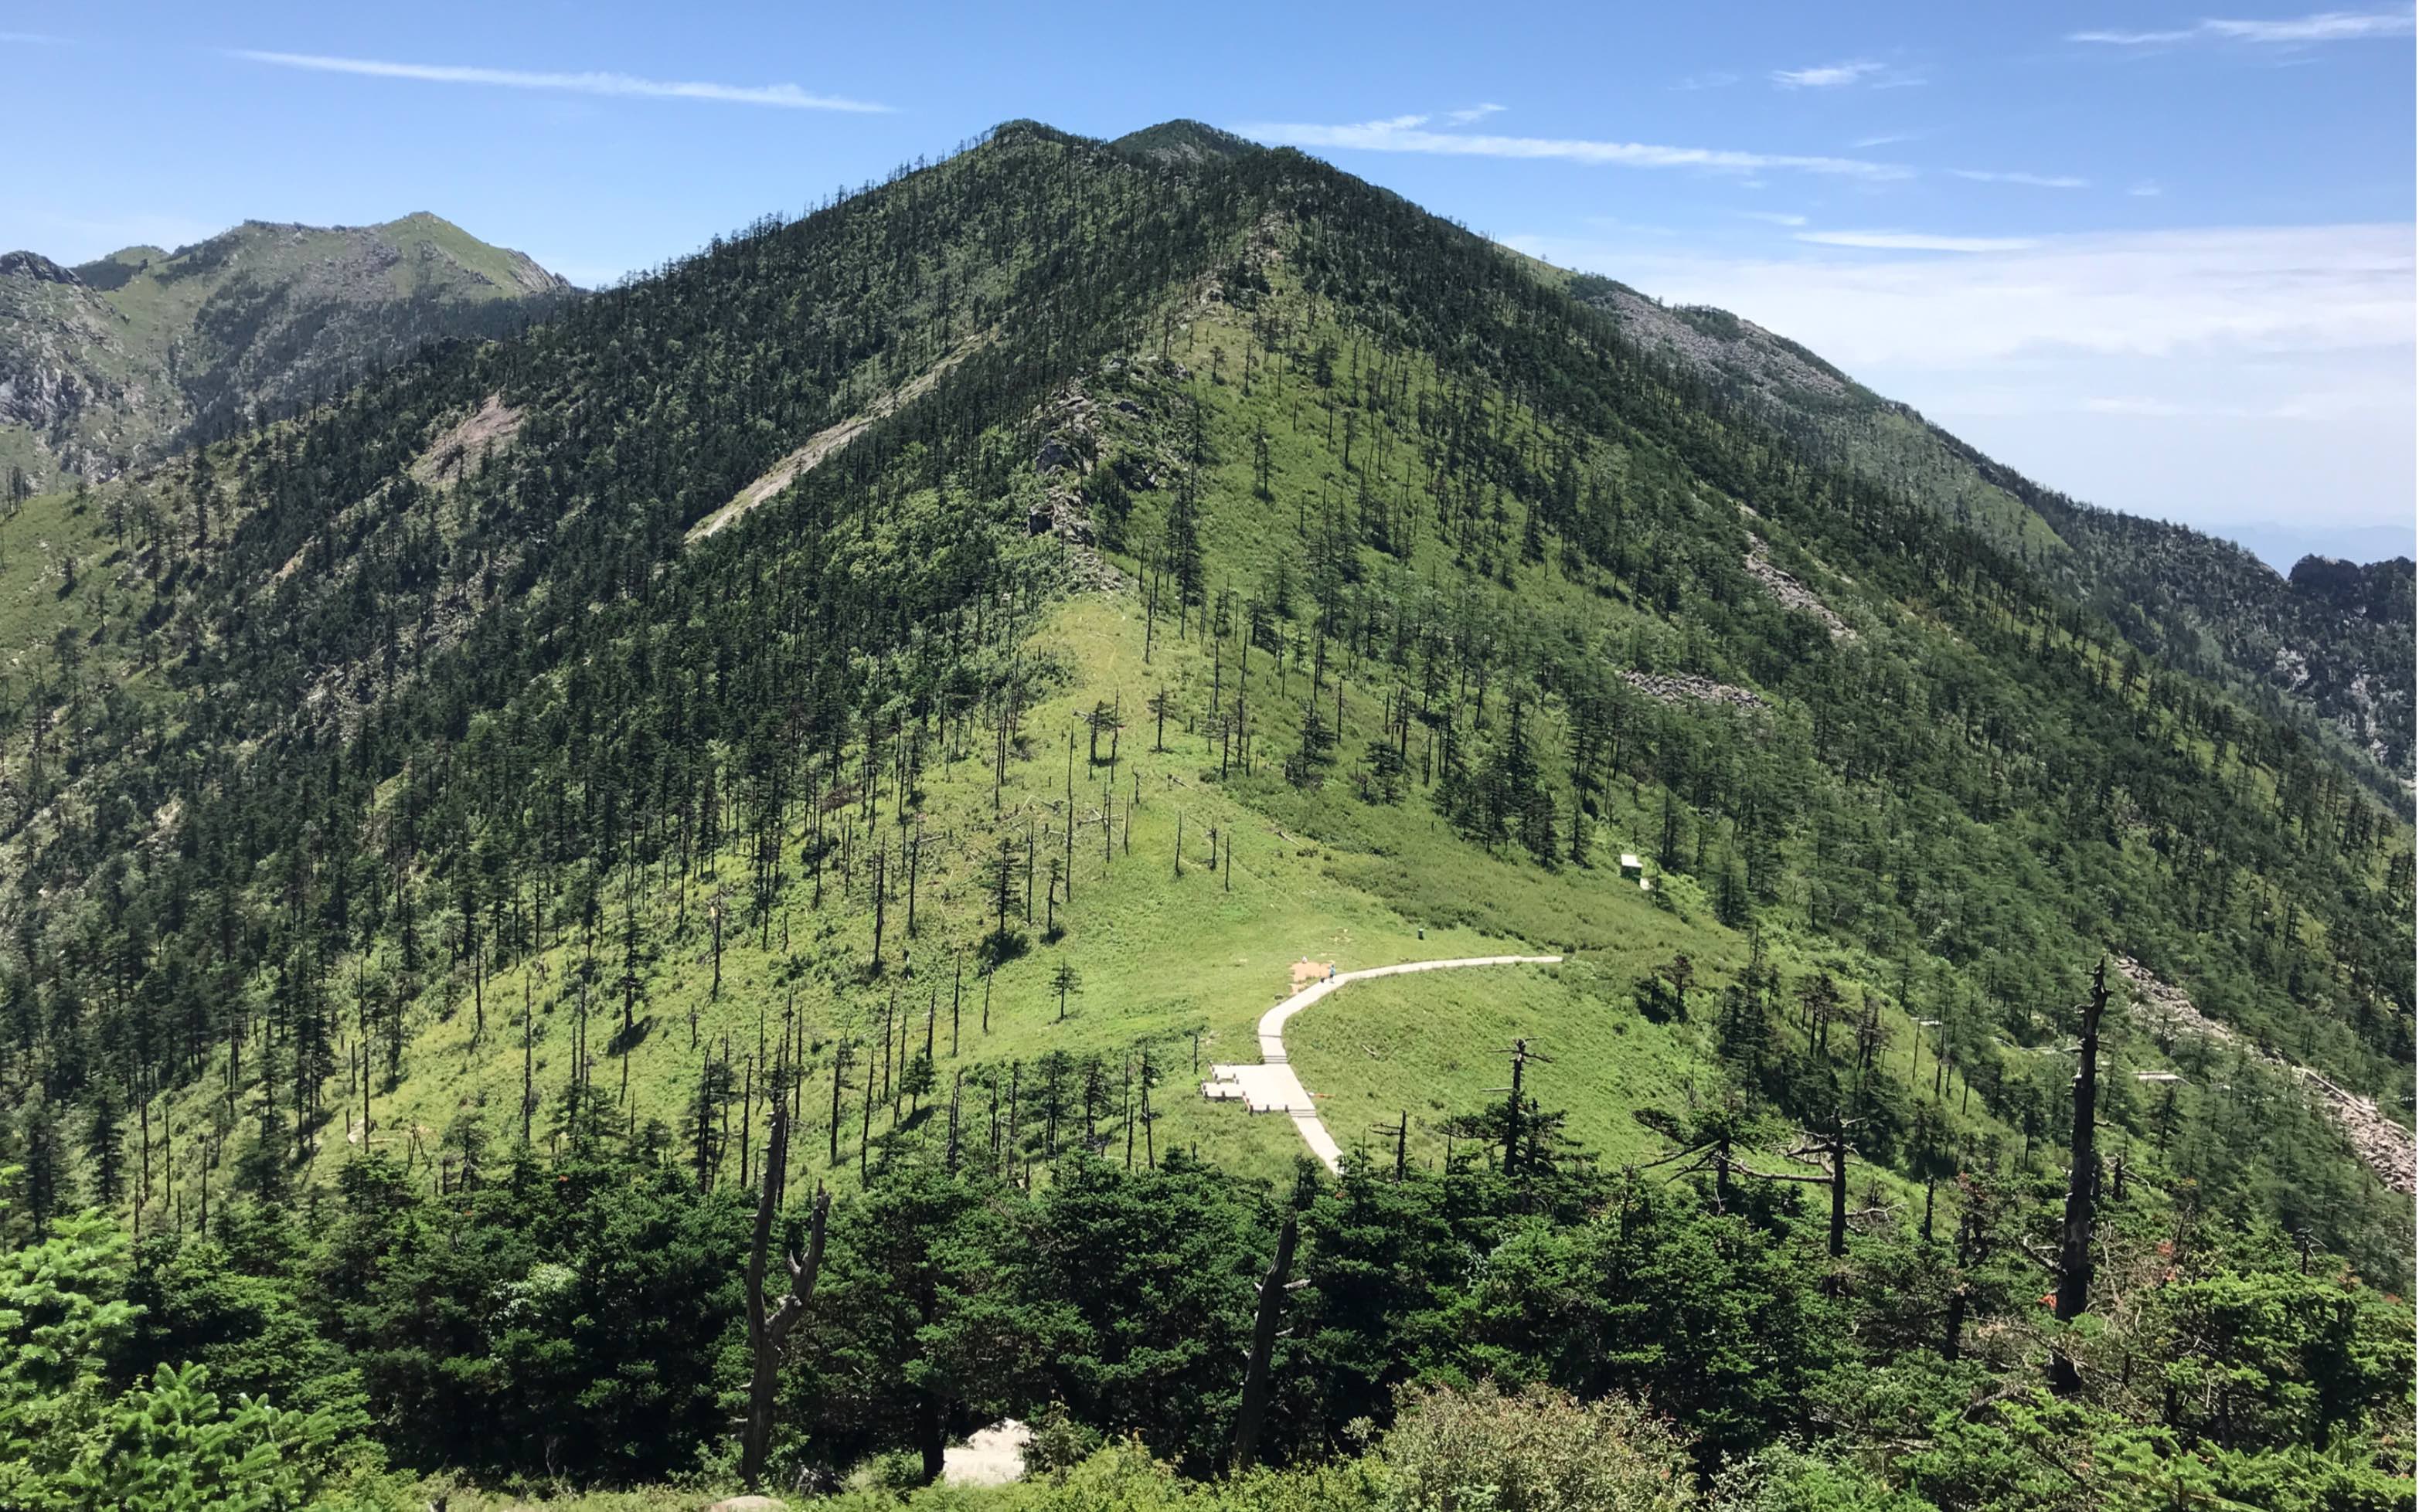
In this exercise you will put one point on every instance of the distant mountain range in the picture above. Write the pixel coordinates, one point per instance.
(2280, 543)
(2324, 645)
(118, 360)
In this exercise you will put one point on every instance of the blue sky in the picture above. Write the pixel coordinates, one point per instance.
(2159, 256)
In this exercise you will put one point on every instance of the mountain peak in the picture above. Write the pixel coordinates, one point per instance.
(263, 315)
(1183, 141)
(34, 265)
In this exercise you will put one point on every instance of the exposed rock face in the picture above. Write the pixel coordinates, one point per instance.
(1071, 440)
(2292, 669)
(1682, 688)
(1717, 343)
(129, 357)
(60, 356)
(39, 394)
(470, 441)
(34, 266)
(2384, 1146)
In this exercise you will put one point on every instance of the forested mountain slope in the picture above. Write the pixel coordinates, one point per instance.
(118, 360)
(2325, 648)
(1135, 570)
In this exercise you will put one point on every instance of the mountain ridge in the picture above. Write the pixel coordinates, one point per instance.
(2175, 590)
(123, 358)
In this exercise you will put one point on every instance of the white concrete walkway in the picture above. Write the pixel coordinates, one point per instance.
(1272, 1087)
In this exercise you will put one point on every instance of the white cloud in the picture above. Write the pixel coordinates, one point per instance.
(2031, 180)
(1774, 217)
(1406, 133)
(2135, 39)
(1827, 76)
(1857, 73)
(2323, 26)
(1475, 113)
(2204, 375)
(2146, 189)
(2161, 294)
(2326, 26)
(780, 95)
(33, 38)
(1915, 241)
(1716, 79)
(1884, 138)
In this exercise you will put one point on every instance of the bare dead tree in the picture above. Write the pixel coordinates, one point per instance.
(1254, 1403)
(1832, 1150)
(768, 1330)
(2082, 1184)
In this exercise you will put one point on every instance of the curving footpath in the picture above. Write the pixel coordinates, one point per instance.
(1272, 1087)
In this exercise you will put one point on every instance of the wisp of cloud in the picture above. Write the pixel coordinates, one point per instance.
(780, 95)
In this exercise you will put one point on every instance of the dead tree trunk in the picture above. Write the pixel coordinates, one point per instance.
(1254, 1405)
(1837, 1147)
(1952, 1333)
(768, 1330)
(2082, 1183)
(1832, 1149)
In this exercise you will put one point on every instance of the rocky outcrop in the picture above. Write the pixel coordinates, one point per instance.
(34, 266)
(1715, 345)
(468, 442)
(56, 344)
(1686, 688)
(2382, 1145)
(1071, 439)
(40, 395)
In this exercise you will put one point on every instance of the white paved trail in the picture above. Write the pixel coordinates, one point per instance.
(1272, 1087)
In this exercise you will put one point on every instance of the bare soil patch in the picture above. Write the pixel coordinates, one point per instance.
(825, 443)
(489, 428)
(1307, 972)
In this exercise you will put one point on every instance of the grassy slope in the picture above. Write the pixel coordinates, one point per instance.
(1431, 1047)
(36, 603)
(1162, 957)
